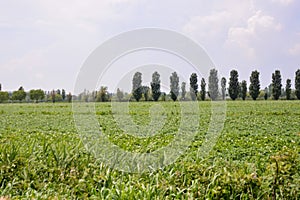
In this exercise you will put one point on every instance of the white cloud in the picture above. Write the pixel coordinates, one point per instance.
(283, 2)
(295, 50)
(208, 26)
(259, 27)
(28, 62)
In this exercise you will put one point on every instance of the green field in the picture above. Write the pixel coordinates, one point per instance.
(257, 155)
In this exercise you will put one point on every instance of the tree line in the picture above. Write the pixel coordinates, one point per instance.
(235, 89)
(34, 95)
(214, 90)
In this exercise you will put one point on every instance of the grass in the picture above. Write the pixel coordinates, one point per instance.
(255, 157)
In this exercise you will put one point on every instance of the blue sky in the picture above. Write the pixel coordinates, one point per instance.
(43, 44)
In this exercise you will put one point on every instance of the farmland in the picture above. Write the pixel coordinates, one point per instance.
(256, 155)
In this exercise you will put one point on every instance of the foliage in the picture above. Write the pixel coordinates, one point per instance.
(19, 94)
(120, 94)
(102, 95)
(4, 96)
(174, 86)
(36, 95)
(155, 86)
(137, 86)
(254, 87)
(233, 85)
(266, 93)
(183, 90)
(223, 87)
(43, 157)
(146, 92)
(244, 89)
(58, 91)
(55, 97)
(69, 97)
(297, 84)
(203, 89)
(288, 89)
(276, 84)
(193, 86)
(63, 94)
(213, 84)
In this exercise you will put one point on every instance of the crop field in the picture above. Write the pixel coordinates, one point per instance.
(257, 155)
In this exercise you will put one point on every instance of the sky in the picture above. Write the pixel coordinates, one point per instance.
(43, 44)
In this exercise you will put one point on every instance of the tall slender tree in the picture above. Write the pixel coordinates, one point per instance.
(276, 83)
(53, 94)
(63, 94)
(193, 86)
(155, 86)
(297, 84)
(145, 91)
(223, 86)
(203, 89)
(233, 84)
(183, 90)
(137, 86)
(69, 97)
(213, 84)
(288, 89)
(266, 93)
(244, 89)
(120, 94)
(254, 87)
(174, 85)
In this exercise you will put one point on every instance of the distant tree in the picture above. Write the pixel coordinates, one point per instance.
(19, 94)
(137, 86)
(4, 96)
(213, 84)
(58, 91)
(163, 96)
(36, 95)
(254, 87)
(183, 90)
(63, 94)
(223, 86)
(53, 93)
(58, 97)
(266, 93)
(288, 89)
(297, 84)
(92, 97)
(276, 83)
(0, 87)
(243, 89)
(155, 86)
(203, 89)
(69, 97)
(233, 84)
(102, 95)
(120, 94)
(240, 90)
(174, 86)
(145, 92)
(270, 90)
(193, 86)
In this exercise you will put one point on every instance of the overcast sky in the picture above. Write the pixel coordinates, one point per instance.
(43, 44)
